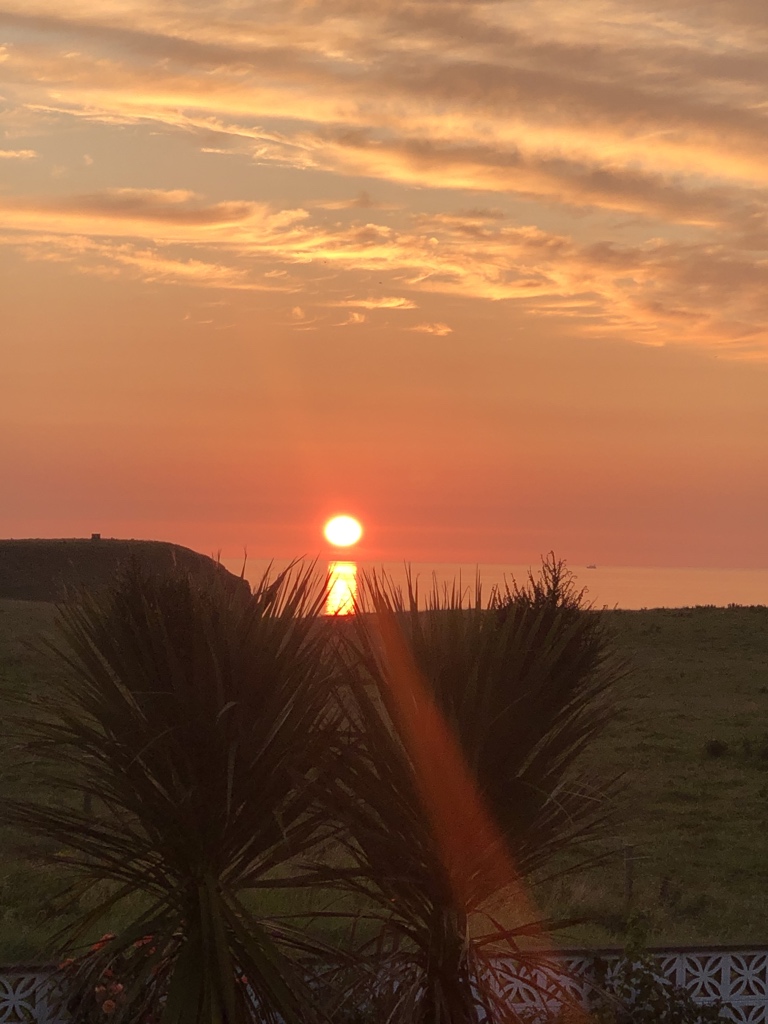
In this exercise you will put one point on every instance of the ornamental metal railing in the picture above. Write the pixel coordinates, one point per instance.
(25, 996)
(735, 976)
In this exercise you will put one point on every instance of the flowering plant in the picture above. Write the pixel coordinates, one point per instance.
(115, 982)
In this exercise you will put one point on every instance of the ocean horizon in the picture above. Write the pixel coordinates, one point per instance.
(626, 587)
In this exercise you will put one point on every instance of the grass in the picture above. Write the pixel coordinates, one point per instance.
(695, 821)
(28, 882)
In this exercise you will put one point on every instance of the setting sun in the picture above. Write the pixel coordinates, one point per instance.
(342, 531)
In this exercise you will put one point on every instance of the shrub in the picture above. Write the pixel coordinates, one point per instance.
(198, 719)
(715, 748)
(634, 993)
(461, 780)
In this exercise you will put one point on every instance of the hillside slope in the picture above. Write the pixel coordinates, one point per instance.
(44, 570)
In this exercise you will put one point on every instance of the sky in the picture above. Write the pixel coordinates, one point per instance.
(491, 277)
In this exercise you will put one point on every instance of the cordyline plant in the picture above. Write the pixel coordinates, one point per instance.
(197, 721)
(461, 786)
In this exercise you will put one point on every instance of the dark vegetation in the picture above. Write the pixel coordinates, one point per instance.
(685, 849)
(204, 748)
(470, 724)
(633, 993)
(692, 827)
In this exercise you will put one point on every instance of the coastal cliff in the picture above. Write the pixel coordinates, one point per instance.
(46, 570)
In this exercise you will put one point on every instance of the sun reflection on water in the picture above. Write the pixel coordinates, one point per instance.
(342, 588)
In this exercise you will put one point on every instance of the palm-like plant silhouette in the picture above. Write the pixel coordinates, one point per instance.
(221, 737)
(198, 721)
(462, 787)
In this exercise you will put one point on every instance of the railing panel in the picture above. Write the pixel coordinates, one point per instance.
(736, 976)
(24, 997)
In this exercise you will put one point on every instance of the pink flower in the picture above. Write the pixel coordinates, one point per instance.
(109, 1006)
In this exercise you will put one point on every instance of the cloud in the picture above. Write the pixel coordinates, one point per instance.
(533, 83)
(353, 320)
(362, 201)
(439, 330)
(579, 184)
(604, 164)
(587, 159)
(170, 206)
(657, 290)
(382, 302)
(157, 214)
(110, 259)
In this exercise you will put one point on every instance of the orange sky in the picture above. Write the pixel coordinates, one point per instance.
(490, 276)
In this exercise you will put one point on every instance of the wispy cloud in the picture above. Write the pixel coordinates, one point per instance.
(161, 215)
(688, 291)
(605, 164)
(382, 302)
(353, 320)
(439, 330)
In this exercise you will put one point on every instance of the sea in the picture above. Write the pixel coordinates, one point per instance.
(605, 586)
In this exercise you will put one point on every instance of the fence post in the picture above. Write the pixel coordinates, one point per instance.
(629, 876)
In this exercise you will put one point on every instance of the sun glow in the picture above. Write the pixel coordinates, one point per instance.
(342, 531)
(342, 588)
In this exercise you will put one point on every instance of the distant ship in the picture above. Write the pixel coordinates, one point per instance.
(591, 566)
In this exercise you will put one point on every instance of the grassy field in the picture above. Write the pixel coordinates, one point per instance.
(690, 740)
(695, 823)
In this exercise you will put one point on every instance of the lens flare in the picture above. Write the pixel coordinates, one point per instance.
(342, 531)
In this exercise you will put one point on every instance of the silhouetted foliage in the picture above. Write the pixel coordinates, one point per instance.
(715, 748)
(504, 702)
(633, 991)
(420, 760)
(199, 720)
